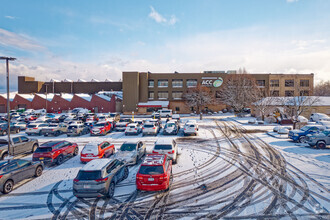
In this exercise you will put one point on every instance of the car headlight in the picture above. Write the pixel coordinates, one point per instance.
(296, 135)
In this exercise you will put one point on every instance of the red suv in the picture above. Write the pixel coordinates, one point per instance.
(101, 128)
(155, 173)
(55, 151)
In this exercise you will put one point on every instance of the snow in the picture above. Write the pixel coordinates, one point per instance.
(67, 80)
(84, 96)
(11, 95)
(118, 94)
(81, 80)
(279, 101)
(67, 96)
(28, 97)
(163, 104)
(107, 98)
(207, 167)
(50, 96)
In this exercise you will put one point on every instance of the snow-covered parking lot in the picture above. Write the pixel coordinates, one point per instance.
(223, 172)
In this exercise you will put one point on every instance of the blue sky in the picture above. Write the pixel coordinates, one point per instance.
(100, 39)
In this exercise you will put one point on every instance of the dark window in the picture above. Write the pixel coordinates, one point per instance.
(163, 147)
(304, 93)
(218, 94)
(43, 149)
(177, 109)
(177, 83)
(162, 83)
(10, 167)
(151, 95)
(24, 139)
(191, 82)
(274, 83)
(128, 147)
(31, 126)
(261, 82)
(22, 163)
(162, 95)
(89, 175)
(304, 83)
(151, 83)
(177, 95)
(151, 170)
(275, 93)
(289, 93)
(289, 83)
(16, 140)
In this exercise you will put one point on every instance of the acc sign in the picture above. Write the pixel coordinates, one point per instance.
(217, 83)
(210, 82)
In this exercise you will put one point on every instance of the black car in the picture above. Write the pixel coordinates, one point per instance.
(14, 171)
(4, 129)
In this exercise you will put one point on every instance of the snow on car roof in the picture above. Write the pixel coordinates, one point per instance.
(97, 164)
(154, 159)
(164, 141)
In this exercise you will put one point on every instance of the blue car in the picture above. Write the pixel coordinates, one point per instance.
(300, 135)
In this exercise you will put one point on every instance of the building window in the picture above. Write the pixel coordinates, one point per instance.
(275, 93)
(218, 94)
(289, 93)
(274, 83)
(177, 83)
(177, 109)
(304, 93)
(151, 84)
(289, 83)
(304, 83)
(261, 83)
(151, 95)
(162, 95)
(177, 95)
(163, 83)
(191, 83)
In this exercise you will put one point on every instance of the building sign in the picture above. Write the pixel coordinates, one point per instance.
(212, 81)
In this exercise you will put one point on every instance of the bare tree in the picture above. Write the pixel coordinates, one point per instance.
(322, 89)
(240, 91)
(198, 97)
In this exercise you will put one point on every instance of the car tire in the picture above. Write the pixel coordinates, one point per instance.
(321, 145)
(4, 155)
(8, 187)
(302, 139)
(18, 130)
(34, 147)
(126, 172)
(76, 151)
(111, 190)
(59, 159)
(4, 133)
(38, 171)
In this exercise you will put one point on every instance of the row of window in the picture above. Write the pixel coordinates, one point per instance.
(176, 83)
(164, 95)
(289, 83)
(290, 93)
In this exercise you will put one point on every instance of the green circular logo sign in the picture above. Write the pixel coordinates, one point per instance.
(217, 83)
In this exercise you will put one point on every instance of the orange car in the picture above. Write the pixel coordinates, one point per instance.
(94, 150)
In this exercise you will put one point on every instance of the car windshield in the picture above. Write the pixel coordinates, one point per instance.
(99, 125)
(163, 147)
(43, 149)
(151, 170)
(148, 125)
(32, 126)
(89, 175)
(132, 126)
(305, 128)
(128, 147)
(169, 125)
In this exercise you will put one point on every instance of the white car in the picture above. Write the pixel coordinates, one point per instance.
(319, 116)
(165, 113)
(35, 128)
(326, 124)
(168, 147)
(22, 125)
(190, 128)
(133, 128)
(150, 128)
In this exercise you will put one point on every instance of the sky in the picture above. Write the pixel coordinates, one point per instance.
(81, 39)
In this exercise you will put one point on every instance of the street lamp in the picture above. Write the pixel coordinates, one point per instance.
(8, 101)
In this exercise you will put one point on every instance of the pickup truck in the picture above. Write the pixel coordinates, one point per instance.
(19, 145)
(55, 129)
(320, 140)
(300, 135)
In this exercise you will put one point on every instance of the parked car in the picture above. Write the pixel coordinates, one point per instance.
(4, 129)
(190, 128)
(168, 147)
(320, 140)
(150, 128)
(21, 124)
(300, 135)
(155, 115)
(77, 130)
(98, 178)
(94, 150)
(55, 129)
(319, 116)
(122, 124)
(101, 128)
(176, 117)
(154, 173)
(19, 145)
(55, 151)
(326, 124)
(165, 113)
(171, 127)
(133, 128)
(115, 116)
(131, 151)
(29, 118)
(14, 171)
(35, 128)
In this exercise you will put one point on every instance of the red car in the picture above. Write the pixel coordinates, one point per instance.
(101, 128)
(55, 151)
(96, 150)
(155, 173)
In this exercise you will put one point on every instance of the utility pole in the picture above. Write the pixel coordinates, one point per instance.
(46, 96)
(8, 100)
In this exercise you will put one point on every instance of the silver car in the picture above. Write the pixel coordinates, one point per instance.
(19, 145)
(131, 152)
(99, 177)
(14, 171)
(320, 140)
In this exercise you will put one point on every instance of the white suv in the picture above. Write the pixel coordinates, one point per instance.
(168, 147)
(35, 128)
(165, 112)
(190, 128)
(150, 128)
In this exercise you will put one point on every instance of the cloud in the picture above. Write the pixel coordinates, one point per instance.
(161, 19)
(18, 41)
(10, 17)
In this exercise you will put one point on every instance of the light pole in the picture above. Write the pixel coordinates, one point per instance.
(46, 97)
(8, 100)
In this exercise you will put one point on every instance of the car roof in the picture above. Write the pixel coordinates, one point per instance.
(50, 143)
(154, 159)
(134, 124)
(96, 164)
(131, 142)
(164, 141)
